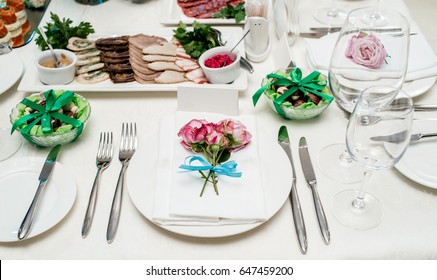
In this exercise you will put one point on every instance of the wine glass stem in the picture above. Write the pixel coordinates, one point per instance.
(359, 202)
(345, 157)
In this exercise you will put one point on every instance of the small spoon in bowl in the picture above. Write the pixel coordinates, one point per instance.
(44, 36)
(237, 44)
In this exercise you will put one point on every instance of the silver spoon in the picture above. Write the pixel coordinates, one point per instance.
(237, 44)
(44, 36)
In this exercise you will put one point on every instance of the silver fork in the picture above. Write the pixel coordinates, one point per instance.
(103, 159)
(128, 146)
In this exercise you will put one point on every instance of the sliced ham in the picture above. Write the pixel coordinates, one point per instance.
(164, 65)
(196, 76)
(157, 57)
(161, 49)
(141, 41)
(187, 64)
(170, 77)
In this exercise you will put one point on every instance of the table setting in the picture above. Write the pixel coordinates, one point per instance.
(137, 177)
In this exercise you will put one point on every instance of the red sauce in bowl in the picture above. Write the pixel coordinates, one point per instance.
(218, 61)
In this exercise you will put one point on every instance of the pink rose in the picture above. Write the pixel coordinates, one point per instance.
(366, 50)
(217, 138)
(237, 132)
(193, 133)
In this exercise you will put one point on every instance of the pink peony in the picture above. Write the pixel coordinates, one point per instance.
(366, 50)
(194, 132)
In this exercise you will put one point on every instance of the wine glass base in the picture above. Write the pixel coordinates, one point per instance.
(9, 144)
(330, 16)
(375, 19)
(335, 166)
(360, 219)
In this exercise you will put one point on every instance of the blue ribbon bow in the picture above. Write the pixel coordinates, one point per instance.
(227, 168)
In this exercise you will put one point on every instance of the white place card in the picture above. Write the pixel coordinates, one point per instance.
(212, 100)
(281, 54)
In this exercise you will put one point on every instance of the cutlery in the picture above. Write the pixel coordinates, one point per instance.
(128, 146)
(44, 36)
(310, 177)
(424, 107)
(44, 176)
(400, 136)
(318, 32)
(299, 223)
(243, 61)
(103, 159)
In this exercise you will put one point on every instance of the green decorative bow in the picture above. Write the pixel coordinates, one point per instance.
(310, 83)
(45, 114)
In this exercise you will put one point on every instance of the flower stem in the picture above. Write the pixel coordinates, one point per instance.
(206, 181)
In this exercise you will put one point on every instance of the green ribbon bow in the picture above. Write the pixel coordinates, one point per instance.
(45, 114)
(310, 83)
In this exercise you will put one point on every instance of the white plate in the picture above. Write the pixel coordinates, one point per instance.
(18, 184)
(420, 160)
(10, 70)
(171, 14)
(276, 174)
(418, 87)
(30, 81)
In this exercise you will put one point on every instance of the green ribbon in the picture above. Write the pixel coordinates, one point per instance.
(44, 114)
(310, 83)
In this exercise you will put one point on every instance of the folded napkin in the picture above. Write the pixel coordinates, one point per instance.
(422, 62)
(177, 200)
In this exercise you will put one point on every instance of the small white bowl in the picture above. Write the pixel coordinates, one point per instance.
(223, 75)
(56, 76)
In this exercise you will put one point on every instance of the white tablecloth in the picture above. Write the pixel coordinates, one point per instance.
(408, 231)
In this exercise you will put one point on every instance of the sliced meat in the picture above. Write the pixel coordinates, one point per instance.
(164, 65)
(92, 77)
(113, 41)
(115, 54)
(171, 77)
(88, 53)
(187, 64)
(196, 76)
(141, 41)
(157, 57)
(122, 77)
(111, 60)
(118, 67)
(149, 78)
(162, 49)
(88, 60)
(141, 81)
(79, 44)
(89, 67)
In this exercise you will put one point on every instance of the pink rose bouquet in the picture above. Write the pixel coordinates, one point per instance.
(366, 50)
(216, 141)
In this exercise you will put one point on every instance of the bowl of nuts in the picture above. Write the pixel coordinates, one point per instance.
(296, 93)
(51, 117)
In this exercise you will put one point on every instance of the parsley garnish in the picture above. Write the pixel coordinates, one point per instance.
(197, 41)
(238, 12)
(60, 31)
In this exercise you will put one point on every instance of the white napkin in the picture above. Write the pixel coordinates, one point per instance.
(422, 62)
(177, 201)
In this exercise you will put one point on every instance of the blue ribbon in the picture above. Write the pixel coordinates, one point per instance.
(227, 168)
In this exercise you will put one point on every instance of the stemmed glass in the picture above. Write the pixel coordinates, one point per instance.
(376, 17)
(363, 56)
(330, 15)
(377, 135)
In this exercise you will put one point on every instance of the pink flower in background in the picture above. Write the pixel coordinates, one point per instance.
(366, 50)
(237, 132)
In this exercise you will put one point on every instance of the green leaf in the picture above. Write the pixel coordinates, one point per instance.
(238, 12)
(225, 156)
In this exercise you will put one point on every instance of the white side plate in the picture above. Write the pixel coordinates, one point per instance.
(10, 70)
(18, 183)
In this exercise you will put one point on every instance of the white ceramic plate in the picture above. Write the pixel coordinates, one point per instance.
(18, 184)
(30, 81)
(171, 14)
(418, 87)
(10, 70)
(276, 174)
(420, 160)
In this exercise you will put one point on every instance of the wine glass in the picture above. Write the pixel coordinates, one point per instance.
(377, 16)
(363, 56)
(330, 15)
(377, 135)
(9, 144)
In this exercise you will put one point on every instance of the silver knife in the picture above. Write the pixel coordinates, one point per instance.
(310, 177)
(299, 223)
(46, 171)
(400, 136)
